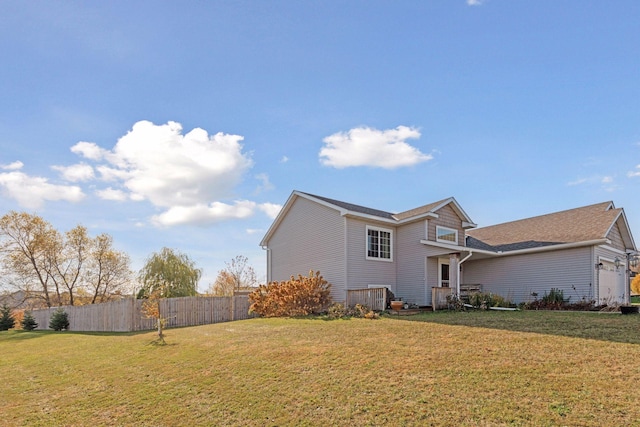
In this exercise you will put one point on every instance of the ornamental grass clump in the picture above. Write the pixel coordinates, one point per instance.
(299, 296)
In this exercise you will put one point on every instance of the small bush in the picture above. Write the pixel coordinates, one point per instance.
(59, 320)
(339, 311)
(299, 296)
(485, 300)
(555, 296)
(7, 321)
(454, 302)
(28, 322)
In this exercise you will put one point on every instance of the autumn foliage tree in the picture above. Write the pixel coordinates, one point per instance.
(635, 285)
(166, 274)
(299, 296)
(56, 267)
(236, 276)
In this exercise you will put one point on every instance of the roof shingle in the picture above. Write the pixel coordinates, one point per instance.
(570, 226)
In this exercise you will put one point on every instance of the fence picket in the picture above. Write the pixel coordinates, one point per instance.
(126, 315)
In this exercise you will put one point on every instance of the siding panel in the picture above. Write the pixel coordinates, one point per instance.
(616, 237)
(310, 237)
(361, 271)
(411, 258)
(517, 277)
(447, 217)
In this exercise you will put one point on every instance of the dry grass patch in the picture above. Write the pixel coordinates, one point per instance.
(283, 372)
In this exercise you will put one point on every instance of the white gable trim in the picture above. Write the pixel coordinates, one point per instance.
(456, 248)
(466, 220)
(624, 230)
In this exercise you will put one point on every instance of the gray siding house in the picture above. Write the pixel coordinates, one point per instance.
(584, 251)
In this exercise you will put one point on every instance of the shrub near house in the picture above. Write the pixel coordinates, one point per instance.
(299, 296)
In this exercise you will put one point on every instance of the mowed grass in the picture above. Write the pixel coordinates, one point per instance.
(481, 368)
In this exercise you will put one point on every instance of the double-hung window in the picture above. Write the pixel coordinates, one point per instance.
(446, 235)
(379, 243)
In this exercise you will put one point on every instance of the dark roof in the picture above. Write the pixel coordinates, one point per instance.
(478, 244)
(354, 208)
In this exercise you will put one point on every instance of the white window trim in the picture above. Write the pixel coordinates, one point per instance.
(366, 243)
(438, 228)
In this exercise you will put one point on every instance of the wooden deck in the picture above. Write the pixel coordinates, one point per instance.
(410, 311)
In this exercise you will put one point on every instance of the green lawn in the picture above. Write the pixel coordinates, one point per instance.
(480, 368)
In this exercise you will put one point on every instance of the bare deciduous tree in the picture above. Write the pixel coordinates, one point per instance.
(238, 275)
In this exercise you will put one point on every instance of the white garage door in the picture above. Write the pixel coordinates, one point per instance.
(611, 284)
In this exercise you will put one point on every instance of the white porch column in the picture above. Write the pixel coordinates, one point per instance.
(454, 272)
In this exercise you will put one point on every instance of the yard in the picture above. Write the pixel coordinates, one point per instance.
(445, 368)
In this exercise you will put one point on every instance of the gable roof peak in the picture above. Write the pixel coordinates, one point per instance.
(581, 224)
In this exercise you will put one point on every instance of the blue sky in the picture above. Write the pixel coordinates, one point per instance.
(188, 124)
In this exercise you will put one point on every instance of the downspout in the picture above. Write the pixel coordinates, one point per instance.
(458, 272)
(268, 253)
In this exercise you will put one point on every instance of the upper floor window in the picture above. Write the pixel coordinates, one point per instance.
(446, 235)
(379, 243)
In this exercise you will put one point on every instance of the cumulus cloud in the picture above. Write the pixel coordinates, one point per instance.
(112, 194)
(201, 214)
(159, 164)
(31, 191)
(89, 150)
(365, 146)
(17, 165)
(270, 209)
(187, 175)
(75, 173)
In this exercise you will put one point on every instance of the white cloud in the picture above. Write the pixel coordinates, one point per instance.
(110, 174)
(578, 182)
(31, 192)
(632, 174)
(284, 159)
(17, 165)
(159, 164)
(187, 176)
(606, 183)
(201, 214)
(365, 146)
(252, 231)
(89, 150)
(112, 194)
(75, 173)
(271, 209)
(265, 183)
(475, 2)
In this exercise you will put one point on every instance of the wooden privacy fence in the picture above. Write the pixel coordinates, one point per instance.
(374, 298)
(439, 297)
(126, 315)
